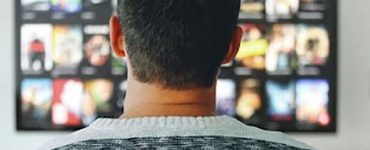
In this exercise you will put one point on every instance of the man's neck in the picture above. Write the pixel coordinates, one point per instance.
(148, 100)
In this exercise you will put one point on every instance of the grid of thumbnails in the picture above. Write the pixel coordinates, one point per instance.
(283, 77)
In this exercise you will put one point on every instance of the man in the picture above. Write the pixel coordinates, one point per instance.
(174, 50)
(37, 52)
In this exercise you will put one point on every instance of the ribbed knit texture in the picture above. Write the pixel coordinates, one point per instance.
(155, 129)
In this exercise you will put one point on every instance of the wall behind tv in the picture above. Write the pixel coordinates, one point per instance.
(354, 84)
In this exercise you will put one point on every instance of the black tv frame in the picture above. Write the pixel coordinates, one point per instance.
(332, 23)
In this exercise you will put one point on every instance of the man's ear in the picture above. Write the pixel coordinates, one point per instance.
(234, 45)
(117, 40)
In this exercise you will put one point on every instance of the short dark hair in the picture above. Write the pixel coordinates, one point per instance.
(179, 44)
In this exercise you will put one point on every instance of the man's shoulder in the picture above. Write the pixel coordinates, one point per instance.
(175, 130)
(74, 137)
(272, 138)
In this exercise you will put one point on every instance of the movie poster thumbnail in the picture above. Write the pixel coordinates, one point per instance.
(225, 97)
(96, 50)
(97, 99)
(249, 102)
(65, 9)
(253, 46)
(35, 5)
(312, 9)
(280, 55)
(252, 9)
(97, 10)
(281, 9)
(281, 100)
(312, 103)
(36, 55)
(67, 102)
(36, 96)
(34, 9)
(313, 45)
(67, 51)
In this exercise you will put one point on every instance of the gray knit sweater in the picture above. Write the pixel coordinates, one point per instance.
(175, 133)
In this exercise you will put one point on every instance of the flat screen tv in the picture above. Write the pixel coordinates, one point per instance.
(283, 78)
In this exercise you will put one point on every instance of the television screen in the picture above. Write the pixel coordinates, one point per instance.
(283, 77)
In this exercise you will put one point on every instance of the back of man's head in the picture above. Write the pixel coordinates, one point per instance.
(179, 44)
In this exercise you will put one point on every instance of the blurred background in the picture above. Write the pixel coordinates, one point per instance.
(267, 85)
